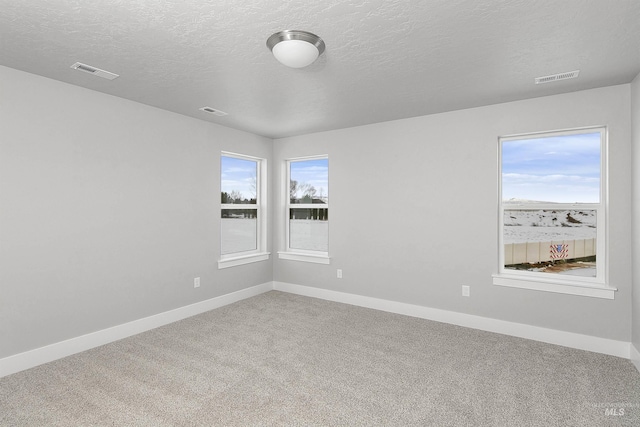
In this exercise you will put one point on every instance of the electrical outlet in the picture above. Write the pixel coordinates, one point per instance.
(466, 290)
(339, 273)
(196, 282)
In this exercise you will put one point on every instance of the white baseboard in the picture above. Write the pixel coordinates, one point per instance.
(49, 353)
(551, 336)
(635, 356)
(32, 358)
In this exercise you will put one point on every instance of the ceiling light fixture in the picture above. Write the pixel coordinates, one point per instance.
(294, 48)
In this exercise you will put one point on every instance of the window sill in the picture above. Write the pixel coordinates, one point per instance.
(550, 285)
(242, 259)
(298, 256)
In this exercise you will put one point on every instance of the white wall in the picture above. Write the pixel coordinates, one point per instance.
(635, 114)
(401, 191)
(108, 210)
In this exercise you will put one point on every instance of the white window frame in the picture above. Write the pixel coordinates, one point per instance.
(293, 254)
(586, 286)
(260, 253)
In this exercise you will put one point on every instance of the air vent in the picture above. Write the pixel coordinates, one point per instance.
(95, 71)
(213, 111)
(556, 77)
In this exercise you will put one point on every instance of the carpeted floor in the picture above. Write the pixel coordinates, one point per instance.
(283, 359)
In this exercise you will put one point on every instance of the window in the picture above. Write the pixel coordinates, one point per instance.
(307, 210)
(552, 218)
(242, 213)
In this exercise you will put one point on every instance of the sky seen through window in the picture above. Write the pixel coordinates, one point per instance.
(561, 169)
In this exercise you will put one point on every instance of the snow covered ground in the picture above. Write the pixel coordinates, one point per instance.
(538, 225)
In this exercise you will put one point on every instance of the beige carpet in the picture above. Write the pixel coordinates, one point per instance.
(282, 359)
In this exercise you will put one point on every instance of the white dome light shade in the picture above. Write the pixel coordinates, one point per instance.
(295, 49)
(295, 53)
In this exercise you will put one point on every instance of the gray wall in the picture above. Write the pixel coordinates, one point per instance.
(108, 210)
(444, 166)
(635, 114)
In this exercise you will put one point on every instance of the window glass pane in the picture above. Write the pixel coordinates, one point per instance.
(239, 230)
(238, 180)
(551, 241)
(309, 181)
(560, 168)
(309, 229)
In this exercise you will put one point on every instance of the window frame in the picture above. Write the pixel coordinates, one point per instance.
(575, 285)
(294, 254)
(260, 253)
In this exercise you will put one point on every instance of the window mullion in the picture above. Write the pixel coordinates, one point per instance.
(237, 206)
(309, 206)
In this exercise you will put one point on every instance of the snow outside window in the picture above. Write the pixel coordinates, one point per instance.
(307, 210)
(552, 215)
(242, 213)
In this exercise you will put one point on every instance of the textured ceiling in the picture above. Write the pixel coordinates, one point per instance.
(385, 59)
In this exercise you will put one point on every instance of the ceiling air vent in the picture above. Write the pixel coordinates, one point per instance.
(95, 71)
(556, 77)
(213, 111)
